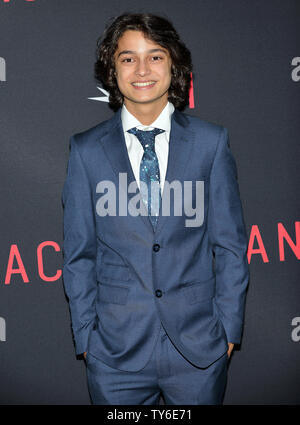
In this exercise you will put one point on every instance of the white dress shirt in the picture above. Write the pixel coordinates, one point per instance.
(134, 147)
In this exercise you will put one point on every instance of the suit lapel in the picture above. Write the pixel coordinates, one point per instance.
(114, 145)
(180, 147)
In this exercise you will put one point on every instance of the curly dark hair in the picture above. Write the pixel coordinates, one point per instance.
(157, 29)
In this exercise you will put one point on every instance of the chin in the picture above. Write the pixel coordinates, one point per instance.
(147, 100)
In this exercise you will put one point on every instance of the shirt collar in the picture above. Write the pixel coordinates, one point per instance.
(163, 121)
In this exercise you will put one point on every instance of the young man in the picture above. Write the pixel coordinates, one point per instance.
(156, 297)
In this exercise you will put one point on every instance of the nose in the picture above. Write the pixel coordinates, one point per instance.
(142, 67)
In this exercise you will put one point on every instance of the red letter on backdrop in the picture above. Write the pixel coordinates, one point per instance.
(41, 264)
(191, 94)
(261, 250)
(282, 234)
(14, 253)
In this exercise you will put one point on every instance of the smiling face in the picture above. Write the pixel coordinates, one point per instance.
(143, 70)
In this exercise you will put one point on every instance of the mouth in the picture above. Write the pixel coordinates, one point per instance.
(143, 84)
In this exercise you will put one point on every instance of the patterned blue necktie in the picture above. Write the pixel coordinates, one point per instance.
(149, 170)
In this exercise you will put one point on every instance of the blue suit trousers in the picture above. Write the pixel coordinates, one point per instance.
(167, 374)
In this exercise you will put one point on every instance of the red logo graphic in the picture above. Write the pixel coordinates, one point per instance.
(14, 255)
(191, 94)
(282, 236)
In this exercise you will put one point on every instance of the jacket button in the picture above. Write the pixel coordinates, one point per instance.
(156, 247)
(94, 326)
(158, 293)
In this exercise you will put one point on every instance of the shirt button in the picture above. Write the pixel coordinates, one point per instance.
(156, 247)
(158, 293)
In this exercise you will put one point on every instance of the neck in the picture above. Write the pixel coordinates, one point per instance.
(146, 113)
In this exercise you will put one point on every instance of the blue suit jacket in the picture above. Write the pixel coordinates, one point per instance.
(123, 279)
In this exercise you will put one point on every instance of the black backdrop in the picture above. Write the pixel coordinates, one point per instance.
(246, 57)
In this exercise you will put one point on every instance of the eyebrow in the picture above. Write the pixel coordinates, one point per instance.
(125, 52)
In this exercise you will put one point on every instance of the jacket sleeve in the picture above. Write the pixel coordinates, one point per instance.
(228, 237)
(79, 248)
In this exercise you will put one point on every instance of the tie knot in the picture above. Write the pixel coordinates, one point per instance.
(147, 138)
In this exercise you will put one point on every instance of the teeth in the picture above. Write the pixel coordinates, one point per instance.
(143, 84)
